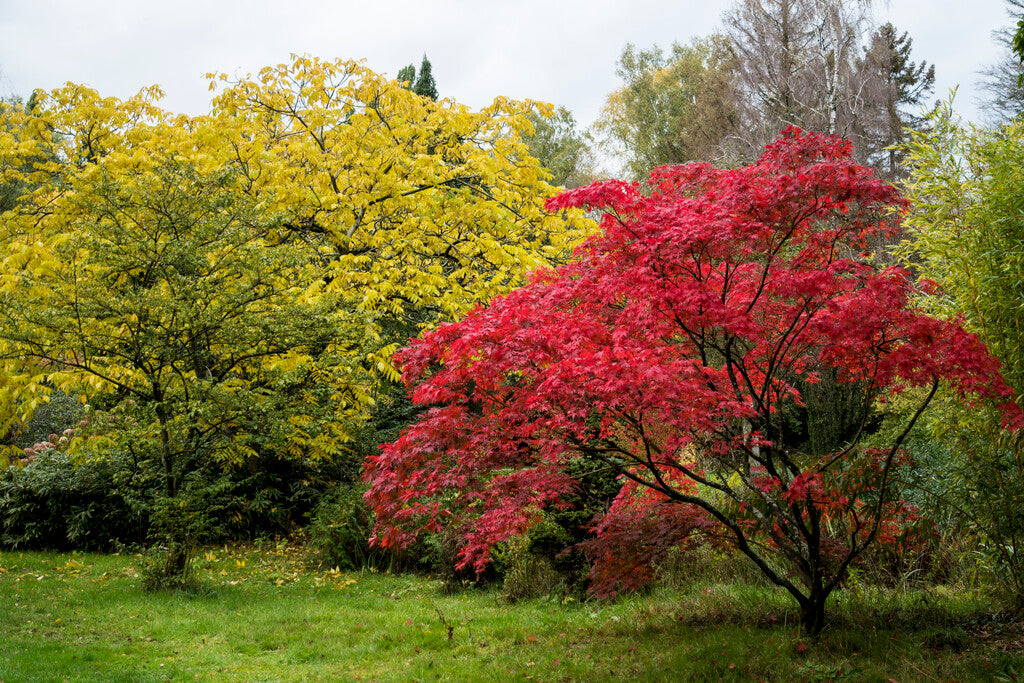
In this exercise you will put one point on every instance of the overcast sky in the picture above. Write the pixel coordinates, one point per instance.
(561, 51)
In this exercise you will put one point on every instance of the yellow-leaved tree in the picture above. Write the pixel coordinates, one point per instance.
(414, 204)
(232, 285)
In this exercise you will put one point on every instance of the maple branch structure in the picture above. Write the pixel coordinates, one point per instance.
(680, 347)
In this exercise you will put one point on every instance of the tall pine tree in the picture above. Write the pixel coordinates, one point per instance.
(425, 85)
(895, 87)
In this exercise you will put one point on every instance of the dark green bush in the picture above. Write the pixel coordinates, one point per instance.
(266, 496)
(113, 498)
(56, 504)
(340, 528)
(557, 537)
(114, 494)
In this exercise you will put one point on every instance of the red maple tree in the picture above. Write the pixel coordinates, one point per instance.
(671, 348)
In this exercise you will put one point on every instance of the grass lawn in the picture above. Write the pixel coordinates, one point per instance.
(267, 614)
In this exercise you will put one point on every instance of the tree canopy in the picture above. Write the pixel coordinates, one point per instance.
(561, 147)
(815, 64)
(425, 85)
(1004, 79)
(412, 203)
(672, 108)
(233, 284)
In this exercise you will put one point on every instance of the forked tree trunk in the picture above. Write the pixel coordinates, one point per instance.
(812, 613)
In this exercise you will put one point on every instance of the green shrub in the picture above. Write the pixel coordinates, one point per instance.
(439, 555)
(55, 503)
(553, 544)
(108, 496)
(340, 529)
(265, 496)
(526, 575)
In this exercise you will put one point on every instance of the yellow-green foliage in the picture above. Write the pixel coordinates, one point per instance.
(232, 282)
(966, 234)
(416, 203)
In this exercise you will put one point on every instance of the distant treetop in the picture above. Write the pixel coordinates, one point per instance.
(424, 85)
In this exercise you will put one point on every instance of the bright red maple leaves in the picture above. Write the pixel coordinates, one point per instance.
(669, 349)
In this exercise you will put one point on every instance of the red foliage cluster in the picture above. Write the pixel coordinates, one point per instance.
(667, 349)
(638, 532)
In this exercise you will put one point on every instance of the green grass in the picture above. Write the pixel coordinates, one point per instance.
(268, 615)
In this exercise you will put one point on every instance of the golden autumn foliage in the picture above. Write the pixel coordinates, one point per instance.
(233, 284)
(415, 202)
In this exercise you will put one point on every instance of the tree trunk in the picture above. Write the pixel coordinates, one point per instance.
(812, 612)
(166, 456)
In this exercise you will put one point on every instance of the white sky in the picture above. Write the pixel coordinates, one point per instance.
(561, 51)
